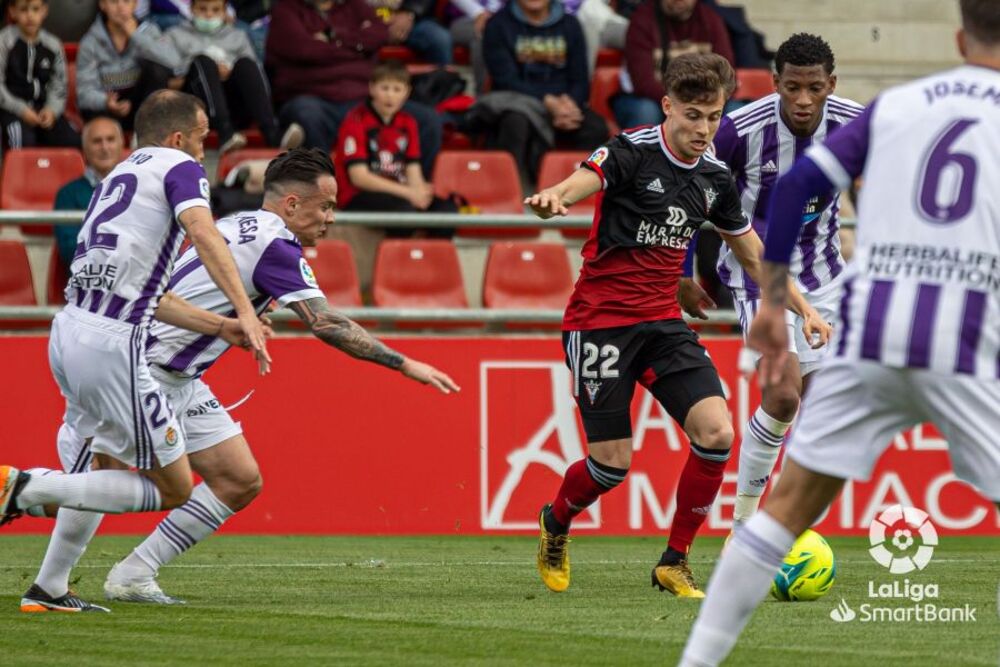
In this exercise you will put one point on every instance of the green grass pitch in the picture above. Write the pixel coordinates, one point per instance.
(470, 600)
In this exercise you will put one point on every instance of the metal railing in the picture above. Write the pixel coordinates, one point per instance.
(430, 316)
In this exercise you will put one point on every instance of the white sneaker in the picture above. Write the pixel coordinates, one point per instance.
(235, 142)
(293, 137)
(118, 587)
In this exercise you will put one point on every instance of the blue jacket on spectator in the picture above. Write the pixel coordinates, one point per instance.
(537, 60)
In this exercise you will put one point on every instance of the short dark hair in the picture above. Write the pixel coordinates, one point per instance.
(15, 3)
(393, 70)
(981, 20)
(299, 165)
(804, 50)
(165, 112)
(697, 77)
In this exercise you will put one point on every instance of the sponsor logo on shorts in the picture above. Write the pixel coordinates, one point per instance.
(171, 436)
(203, 408)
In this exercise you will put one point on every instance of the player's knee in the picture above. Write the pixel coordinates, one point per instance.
(782, 402)
(238, 488)
(717, 434)
(175, 494)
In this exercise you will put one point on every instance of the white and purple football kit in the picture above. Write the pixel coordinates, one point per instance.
(124, 256)
(759, 148)
(920, 334)
(272, 268)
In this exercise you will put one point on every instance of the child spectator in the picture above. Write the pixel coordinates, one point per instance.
(378, 154)
(222, 70)
(121, 62)
(33, 88)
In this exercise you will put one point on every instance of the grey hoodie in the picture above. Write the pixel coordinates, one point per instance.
(31, 74)
(227, 45)
(102, 69)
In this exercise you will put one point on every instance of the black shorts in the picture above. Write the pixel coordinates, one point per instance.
(664, 355)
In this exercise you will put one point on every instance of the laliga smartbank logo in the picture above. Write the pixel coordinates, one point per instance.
(902, 541)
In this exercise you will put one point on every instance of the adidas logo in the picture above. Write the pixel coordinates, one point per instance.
(655, 186)
(770, 167)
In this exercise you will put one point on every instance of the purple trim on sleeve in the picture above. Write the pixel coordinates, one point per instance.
(279, 270)
(184, 183)
(849, 148)
(791, 193)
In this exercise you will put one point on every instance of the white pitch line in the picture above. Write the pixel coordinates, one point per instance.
(380, 564)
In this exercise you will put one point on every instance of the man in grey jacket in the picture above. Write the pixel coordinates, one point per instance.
(223, 71)
(33, 81)
(121, 62)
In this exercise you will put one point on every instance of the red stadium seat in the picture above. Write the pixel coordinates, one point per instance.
(488, 180)
(16, 286)
(55, 284)
(557, 165)
(527, 275)
(607, 57)
(333, 262)
(229, 161)
(418, 274)
(753, 84)
(605, 84)
(31, 177)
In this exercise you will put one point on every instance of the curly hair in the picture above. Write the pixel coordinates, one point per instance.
(698, 77)
(804, 50)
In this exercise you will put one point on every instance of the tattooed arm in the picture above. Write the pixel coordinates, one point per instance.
(346, 335)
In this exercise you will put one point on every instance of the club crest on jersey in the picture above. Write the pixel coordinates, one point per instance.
(710, 196)
(599, 156)
(170, 436)
(350, 146)
(307, 273)
(592, 387)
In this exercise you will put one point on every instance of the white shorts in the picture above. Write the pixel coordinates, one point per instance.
(203, 422)
(854, 409)
(826, 301)
(101, 369)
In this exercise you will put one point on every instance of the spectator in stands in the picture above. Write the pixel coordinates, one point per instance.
(222, 70)
(661, 30)
(33, 88)
(378, 154)
(254, 16)
(103, 148)
(121, 62)
(168, 13)
(411, 23)
(468, 29)
(536, 55)
(321, 55)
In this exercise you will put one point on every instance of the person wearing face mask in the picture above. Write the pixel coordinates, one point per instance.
(221, 68)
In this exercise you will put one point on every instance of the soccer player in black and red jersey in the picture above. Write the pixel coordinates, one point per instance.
(623, 323)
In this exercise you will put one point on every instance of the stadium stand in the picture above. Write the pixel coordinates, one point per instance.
(418, 274)
(753, 84)
(336, 272)
(527, 275)
(605, 84)
(30, 178)
(487, 180)
(16, 285)
(557, 165)
(228, 161)
(55, 280)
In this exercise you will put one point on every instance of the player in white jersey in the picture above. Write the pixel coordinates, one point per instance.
(131, 234)
(920, 339)
(300, 197)
(760, 142)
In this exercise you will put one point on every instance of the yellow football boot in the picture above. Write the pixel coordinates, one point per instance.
(553, 556)
(677, 579)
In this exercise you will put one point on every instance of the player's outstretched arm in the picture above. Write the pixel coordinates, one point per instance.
(554, 201)
(348, 336)
(214, 253)
(178, 312)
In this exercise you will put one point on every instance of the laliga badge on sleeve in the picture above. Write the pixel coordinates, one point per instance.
(307, 273)
(599, 156)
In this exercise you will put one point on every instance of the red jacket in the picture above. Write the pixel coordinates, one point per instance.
(704, 31)
(330, 57)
